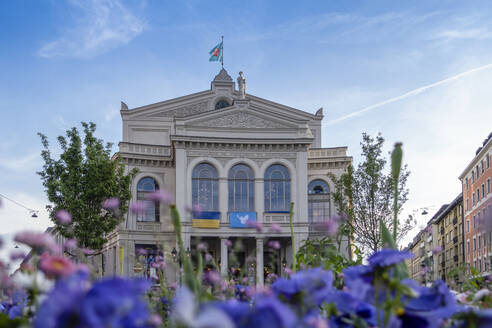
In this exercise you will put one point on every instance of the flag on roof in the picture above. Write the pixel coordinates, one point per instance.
(216, 53)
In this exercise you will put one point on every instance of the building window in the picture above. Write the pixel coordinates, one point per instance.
(473, 177)
(468, 246)
(466, 183)
(146, 186)
(222, 104)
(478, 195)
(241, 189)
(477, 171)
(318, 201)
(205, 188)
(483, 190)
(488, 186)
(488, 160)
(474, 222)
(473, 199)
(474, 244)
(479, 241)
(467, 225)
(467, 204)
(277, 189)
(481, 166)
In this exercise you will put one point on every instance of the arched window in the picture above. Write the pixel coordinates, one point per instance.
(277, 189)
(318, 201)
(145, 186)
(241, 189)
(222, 104)
(205, 187)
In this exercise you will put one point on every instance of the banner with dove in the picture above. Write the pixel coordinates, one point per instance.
(242, 219)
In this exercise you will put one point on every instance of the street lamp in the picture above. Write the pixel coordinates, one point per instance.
(174, 253)
(284, 263)
(188, 252)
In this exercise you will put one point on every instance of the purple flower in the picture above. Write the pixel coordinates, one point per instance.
(437, 250)
(202, 247)
(138, 207)
(228, 243)
(37, 240)
(70, 244)
(387, 257)
(330, 226)
(275, 244)
(161, 196)
(63, 217)
(275, 228)
(17, 255)
(255, 224)
(111, 203)
(212, 277)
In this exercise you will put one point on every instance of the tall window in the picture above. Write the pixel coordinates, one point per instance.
(205, 188)
(145, 186)
(241, 189)
(277, 189)
(318, 201)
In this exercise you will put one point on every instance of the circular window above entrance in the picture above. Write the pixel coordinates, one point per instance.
(222, 103)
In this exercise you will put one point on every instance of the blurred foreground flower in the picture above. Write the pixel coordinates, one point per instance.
(37, 240)
(111, 203)
(56, 266)
(63, 217)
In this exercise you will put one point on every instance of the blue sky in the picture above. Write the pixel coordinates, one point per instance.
(63, 62)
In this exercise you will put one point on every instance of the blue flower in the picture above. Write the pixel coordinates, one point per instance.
(61, 306)
(435, 303)
(314, 284)
(238, 311)
(116, 302)
(269, 312)
(387, 257)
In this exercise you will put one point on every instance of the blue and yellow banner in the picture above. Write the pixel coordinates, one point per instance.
(242, 219)
(209, 220)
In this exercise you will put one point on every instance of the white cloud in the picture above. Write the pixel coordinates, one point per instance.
(464, 34)
(103, 25)
(110, 113)
(27, 162)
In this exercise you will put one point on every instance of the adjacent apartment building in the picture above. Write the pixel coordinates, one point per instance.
(477, 201)
(450, 238)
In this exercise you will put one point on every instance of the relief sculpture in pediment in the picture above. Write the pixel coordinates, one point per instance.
(192, 109)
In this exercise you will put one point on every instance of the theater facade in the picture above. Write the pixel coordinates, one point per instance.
(232, 161)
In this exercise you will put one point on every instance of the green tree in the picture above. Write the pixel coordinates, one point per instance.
(79, 181)
(366, 197)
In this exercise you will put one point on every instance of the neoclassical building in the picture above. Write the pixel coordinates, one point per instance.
(232, 160)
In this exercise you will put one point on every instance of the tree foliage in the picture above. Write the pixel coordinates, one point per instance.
(366, 196)
(79, 181)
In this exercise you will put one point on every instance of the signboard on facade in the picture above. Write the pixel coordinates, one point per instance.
(242, 219)
(206, 220)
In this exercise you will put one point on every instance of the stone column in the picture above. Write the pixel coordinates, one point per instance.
(181, 183)
(223, 200)
(259, 198)
(224, 258)
(301, 206)
(259, 262)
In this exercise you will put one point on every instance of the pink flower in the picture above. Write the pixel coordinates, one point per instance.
(111, 203)
(70, 244)
(37, 240)
(138, 207)
(56, 266)
(288, 271)
(228, 243)
(275, 244)
(63, 217)
(212, 277)
(161, 196)
(17, 255)
(208, 258)
(275, 228)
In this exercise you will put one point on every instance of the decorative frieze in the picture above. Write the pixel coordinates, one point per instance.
(192, 109)
(240, 120)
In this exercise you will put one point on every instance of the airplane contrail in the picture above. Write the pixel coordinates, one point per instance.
(409, 94)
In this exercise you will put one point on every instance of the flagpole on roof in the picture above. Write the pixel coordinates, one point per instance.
(222, 57)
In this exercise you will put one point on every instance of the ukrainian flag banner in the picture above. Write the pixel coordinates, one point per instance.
(209, 220)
